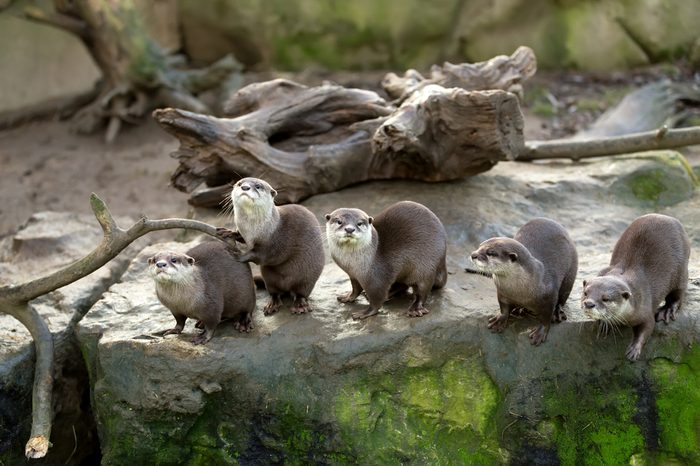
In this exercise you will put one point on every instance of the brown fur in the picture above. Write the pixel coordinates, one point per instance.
(286, 243)
(210, 286)
(404, 246)
(649, 265)
(535, 270)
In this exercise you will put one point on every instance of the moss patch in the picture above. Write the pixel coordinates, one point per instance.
(661, 179)
(678, 403)
(441, 415)
(593, 424)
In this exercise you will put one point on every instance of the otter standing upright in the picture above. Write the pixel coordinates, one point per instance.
(206, 283)
(285, 241)
(649, 265)
(535, 270)
(404, 246)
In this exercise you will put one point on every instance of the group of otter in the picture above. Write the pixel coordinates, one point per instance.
(405, 247)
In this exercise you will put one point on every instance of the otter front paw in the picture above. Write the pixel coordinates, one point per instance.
(347, 298)
(558, 315)
(417, 311)
(666, 312)
(634, 350)
(244, 324)
(498, 323)
(227, 234)
(300, 305)
(272, 306)
(538, 335)
(202, 338)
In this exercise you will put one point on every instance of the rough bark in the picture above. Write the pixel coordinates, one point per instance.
(137, 74)
(502, 72)
(305, 139)
(14, 299)
(443, 134)
(313, 140)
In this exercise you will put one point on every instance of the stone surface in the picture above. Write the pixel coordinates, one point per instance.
(42, 63)
(45, 243)
(322, 388)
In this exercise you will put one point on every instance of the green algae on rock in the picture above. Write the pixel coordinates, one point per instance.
(436, 415)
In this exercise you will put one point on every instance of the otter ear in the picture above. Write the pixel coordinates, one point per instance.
(190, 260)
(584, 283)
(328, 217)
(370, 220)
(512, 256)
(151, 260)
(273, 192)
(626, 295)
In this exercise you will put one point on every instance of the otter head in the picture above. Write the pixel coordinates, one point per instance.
(606, 298)
(348, 228)
(497, 255)
(168, 267)
(252, 194)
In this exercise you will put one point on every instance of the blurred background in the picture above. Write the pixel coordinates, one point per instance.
(40, 62)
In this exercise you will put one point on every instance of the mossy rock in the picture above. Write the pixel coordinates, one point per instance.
(662, 178)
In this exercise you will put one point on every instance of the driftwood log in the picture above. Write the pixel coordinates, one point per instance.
(459, 122)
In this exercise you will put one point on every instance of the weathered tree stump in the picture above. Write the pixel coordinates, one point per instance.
(313, 140)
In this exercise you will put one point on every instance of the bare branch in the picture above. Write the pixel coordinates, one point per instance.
(576, 149)
(14, 301)
(42, 407)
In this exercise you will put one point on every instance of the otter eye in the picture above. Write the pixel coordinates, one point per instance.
(339, 222)
(605, 299)
(258, 186)
(491, 252)
(360, 224)
(174, 260)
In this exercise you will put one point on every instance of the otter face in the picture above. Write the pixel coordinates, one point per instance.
(348, 228)
(496, 255)
(170, 267)
(606, 298)
(252, 192)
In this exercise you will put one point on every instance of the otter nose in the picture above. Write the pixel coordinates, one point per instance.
(349, 229)
(161, 264)
(245, 187)
(589, 304)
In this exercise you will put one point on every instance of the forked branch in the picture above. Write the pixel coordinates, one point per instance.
(14, 301)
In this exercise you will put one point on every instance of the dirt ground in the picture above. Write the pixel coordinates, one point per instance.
(43, 166)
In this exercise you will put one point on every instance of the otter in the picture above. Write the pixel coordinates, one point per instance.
(284, 240)
(534, 271)
(404, 246)
(648, 267)
(205, 283)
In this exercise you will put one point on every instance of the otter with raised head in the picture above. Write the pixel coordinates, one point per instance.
(205, 283)
(284, 240)
(404, 246)
(648, 267)
(535, 270)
